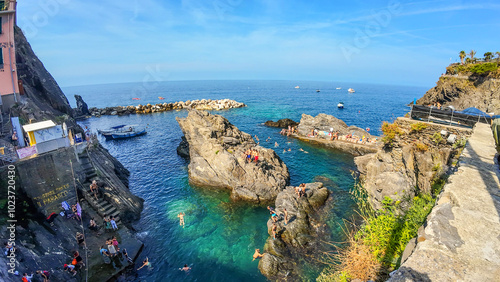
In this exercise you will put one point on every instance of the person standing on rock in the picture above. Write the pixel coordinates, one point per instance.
(45, 275)
(181, 219)
(113, 223)
(14, 139)
(274, 231)
(286, 216)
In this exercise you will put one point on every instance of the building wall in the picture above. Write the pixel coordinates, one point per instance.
(8, 72)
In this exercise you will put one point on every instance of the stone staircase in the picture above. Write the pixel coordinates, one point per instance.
(100, 205)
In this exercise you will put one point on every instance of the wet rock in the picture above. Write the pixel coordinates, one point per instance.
(282, 123)
(216, 150)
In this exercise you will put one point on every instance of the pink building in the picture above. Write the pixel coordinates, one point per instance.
(9, 88)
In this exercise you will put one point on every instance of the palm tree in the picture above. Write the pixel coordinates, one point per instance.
(471, 55)
(488, 56)
(468, 61)
(462, 55)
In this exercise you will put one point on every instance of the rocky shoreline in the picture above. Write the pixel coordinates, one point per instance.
(204, 104)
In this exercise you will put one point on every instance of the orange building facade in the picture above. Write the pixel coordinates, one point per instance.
(9, 87)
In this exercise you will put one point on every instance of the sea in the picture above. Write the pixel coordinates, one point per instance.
(220, 236)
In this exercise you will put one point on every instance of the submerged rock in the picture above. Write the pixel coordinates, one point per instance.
(217, 159)
(282, 123)
(298, 236)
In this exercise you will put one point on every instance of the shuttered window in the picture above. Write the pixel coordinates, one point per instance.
(0, 25)
(1, 56)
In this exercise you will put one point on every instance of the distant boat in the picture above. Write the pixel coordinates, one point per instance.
(339, 88)
(297, 87)
(136, 98)
(350, 90)
(317, 90)
(122, 132)
(161, 98)
(340, 105)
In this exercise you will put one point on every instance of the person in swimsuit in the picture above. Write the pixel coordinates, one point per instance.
(257, 254)
(80, 238)
(185, 268)
(286, 216)
(274, 231)
(181, 219)
(145, 263)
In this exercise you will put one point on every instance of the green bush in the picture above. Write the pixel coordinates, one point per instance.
(421, 146)
(482, 68)
(390, 131)
(437, 138)
(417, 127)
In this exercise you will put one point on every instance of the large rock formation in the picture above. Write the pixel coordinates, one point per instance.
(410, 165)
(38, 83)
(81, 110)
(216, 150)
(324, 123)
(297, 237)
(461, 92)
(282, 123)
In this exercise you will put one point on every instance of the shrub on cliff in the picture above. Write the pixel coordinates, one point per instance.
(390, 131)
(418, 127)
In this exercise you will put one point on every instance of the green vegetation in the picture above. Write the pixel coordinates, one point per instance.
(216, 152)
(479, 68)
(462, 55)
(421, 147)
(377, 246)
(417, 127)
(488, 56)
(437, 138)
(390, 131)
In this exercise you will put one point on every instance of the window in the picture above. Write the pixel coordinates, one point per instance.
(0, 25)
(1, 56)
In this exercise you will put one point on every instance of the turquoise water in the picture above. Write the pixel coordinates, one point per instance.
(220, 236)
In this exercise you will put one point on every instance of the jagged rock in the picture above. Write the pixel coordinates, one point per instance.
(324, 123)
(81, 107)
(461, 92)
(297, 237)
(282, 123)
(404, 170)
(216, 150)
(183, 148)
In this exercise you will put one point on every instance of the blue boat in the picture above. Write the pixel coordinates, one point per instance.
(134, 132)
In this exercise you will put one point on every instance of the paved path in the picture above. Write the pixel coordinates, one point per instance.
(461, 240)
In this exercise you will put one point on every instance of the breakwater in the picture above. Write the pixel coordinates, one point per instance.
(203, 104)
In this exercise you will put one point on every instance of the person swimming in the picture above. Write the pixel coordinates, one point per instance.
(145, 263)
(185, 268)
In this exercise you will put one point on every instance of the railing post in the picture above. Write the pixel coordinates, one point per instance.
(451, 120)
(429, 117)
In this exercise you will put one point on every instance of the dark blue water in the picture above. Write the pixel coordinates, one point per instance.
(220, 236)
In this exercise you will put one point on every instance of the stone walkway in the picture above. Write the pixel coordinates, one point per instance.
(461, 239)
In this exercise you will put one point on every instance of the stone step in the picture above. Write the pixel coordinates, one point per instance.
(105, 207)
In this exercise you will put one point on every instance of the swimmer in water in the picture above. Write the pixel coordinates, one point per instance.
(185, 268)
(284, 150)
(181, 219)
(145, 263)
(289, 149)
(276, 144)
(302, 150)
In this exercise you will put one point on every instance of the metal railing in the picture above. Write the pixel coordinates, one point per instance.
(447, 116)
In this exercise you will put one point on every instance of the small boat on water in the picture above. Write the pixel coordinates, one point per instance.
(136, 98)
(317, 90)
(129, 134)
(339, 88)
(297, 87)
(350, 90)
(122, 132)
(340, 105)
(161, 98)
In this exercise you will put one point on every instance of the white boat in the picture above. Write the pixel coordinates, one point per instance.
(297, 87)
(350, 90)
(339, 88)
(340, 105)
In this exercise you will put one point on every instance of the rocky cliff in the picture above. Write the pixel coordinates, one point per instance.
(217, 159)
(464, 91)
(412, 163)
(324, 122)
(296, 238)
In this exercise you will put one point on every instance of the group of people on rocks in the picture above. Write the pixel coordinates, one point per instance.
(300, 190)
(251, 155)
(289, 131)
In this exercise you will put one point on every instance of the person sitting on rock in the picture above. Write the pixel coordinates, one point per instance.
(303, 189)
(80, 239)
(256, 157)
(45, 275)
(257, 254)
(274, 231)
(70, 268)
(94, 189)
(297, 191)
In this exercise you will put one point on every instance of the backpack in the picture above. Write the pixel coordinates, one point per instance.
(25, 279)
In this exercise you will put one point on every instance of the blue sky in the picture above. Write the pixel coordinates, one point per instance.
(387, 42)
